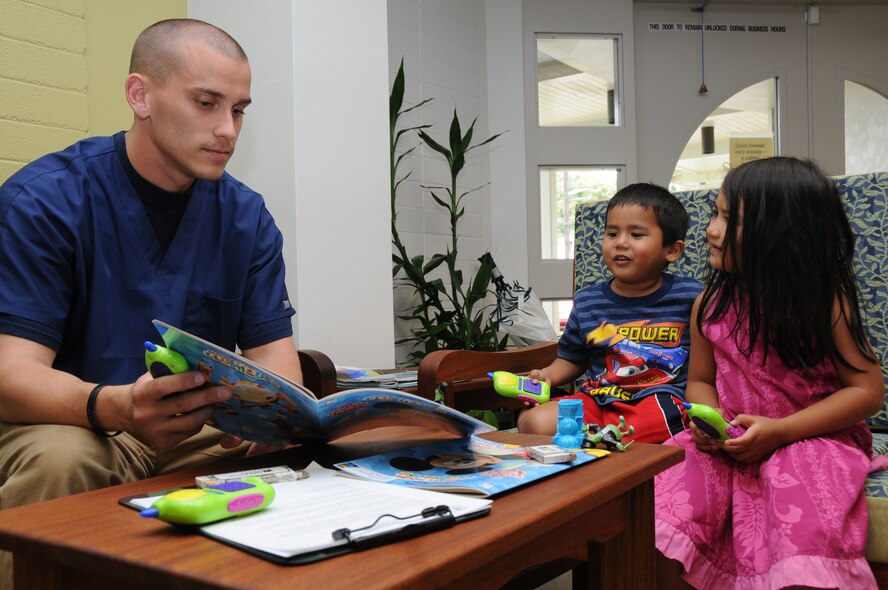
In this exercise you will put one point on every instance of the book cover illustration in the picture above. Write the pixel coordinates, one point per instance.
(470, 465)
(270, 409)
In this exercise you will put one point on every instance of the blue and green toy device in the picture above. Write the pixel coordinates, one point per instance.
(198, 506)
(521, 388)
(711, 422)
(162, 361)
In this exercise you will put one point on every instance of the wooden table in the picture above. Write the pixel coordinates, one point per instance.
(88, 541)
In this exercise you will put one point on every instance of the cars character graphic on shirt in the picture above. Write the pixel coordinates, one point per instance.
(634, 365)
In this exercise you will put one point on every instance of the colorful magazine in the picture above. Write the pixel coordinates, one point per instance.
(270, 409)
(470, 465)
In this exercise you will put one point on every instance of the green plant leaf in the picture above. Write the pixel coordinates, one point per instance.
(455, 135)
(485, 142)
(444, 315)
(433, 263)
(481, 284)
(439, 200)
(467, 140)
(396, 98)
(434, 145)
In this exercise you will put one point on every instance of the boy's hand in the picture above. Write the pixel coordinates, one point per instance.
(539, 375)
(536, 376)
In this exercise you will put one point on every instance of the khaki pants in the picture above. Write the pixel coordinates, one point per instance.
(40, 462)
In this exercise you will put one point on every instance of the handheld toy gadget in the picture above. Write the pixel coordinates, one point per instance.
(205, 505)
(711, 422)
(162, 361)
(522, 388)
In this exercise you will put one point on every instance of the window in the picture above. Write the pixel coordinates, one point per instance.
(561, 190)
(866, 129)
(742, 128)
(580, 138)
(576, 81)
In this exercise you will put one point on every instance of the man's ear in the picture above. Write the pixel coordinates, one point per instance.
(137, 95)
(675, 250)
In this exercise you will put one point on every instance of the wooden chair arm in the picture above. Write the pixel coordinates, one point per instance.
(318, 372)
(466, 370)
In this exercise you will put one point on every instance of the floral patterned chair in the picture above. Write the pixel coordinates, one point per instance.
(866, 202)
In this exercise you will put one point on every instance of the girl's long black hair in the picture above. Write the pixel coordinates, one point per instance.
(790, 264)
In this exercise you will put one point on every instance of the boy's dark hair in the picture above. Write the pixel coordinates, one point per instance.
(670, 213)
(791, 259)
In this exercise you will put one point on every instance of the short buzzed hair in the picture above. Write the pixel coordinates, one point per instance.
(156, 52)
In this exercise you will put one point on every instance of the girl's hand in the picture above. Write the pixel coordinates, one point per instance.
(703, 441)
(762, 437)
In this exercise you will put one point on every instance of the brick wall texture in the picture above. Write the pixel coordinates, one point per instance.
(43, 79)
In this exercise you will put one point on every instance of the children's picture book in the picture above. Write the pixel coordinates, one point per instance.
(267, 408)
(471, 465)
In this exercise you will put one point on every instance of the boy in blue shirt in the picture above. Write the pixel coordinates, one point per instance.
(644, 231)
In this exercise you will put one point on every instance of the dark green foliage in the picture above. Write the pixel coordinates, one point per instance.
(454, 317)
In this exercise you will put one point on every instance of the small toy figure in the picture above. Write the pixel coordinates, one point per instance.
(610, 436)
(570, 424)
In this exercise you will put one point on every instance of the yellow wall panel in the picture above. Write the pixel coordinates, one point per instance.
(23, 142)
(67, 6)
(26, 21)
(38, 64)
(62, 70)
(111, 29)
(44, 105)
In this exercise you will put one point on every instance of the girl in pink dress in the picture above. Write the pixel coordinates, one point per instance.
(778, 347)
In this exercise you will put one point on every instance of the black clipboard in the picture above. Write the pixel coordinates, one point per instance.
(438, 518)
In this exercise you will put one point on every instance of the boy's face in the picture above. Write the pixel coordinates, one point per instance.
(633, 250)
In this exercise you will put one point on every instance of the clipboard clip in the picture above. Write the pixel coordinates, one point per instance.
(434, 518)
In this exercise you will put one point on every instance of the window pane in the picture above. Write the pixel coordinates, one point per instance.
(558, 311)
(866, 130)
(561, 190)
(742, 128)
(576, 81)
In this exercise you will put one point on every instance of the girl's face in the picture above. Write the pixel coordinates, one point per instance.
(715, 233)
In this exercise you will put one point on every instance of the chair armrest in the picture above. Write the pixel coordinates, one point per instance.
(447, 366)
(318, 372)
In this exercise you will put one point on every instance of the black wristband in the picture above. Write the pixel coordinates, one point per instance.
(91, 413)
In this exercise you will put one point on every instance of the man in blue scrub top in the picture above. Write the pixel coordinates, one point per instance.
(103, 237)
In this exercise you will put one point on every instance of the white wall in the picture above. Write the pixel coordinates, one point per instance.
(668, 76)
(314, 144)
(505, 89)
(848, 43)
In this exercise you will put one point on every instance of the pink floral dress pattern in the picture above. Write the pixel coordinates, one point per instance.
(796, 518)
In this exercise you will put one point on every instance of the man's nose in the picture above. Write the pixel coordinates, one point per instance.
(227, 127)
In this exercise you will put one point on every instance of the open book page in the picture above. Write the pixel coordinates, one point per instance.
(354, 410)
(305, 513)
(270, 409)
(265, 408)
(473, 466)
